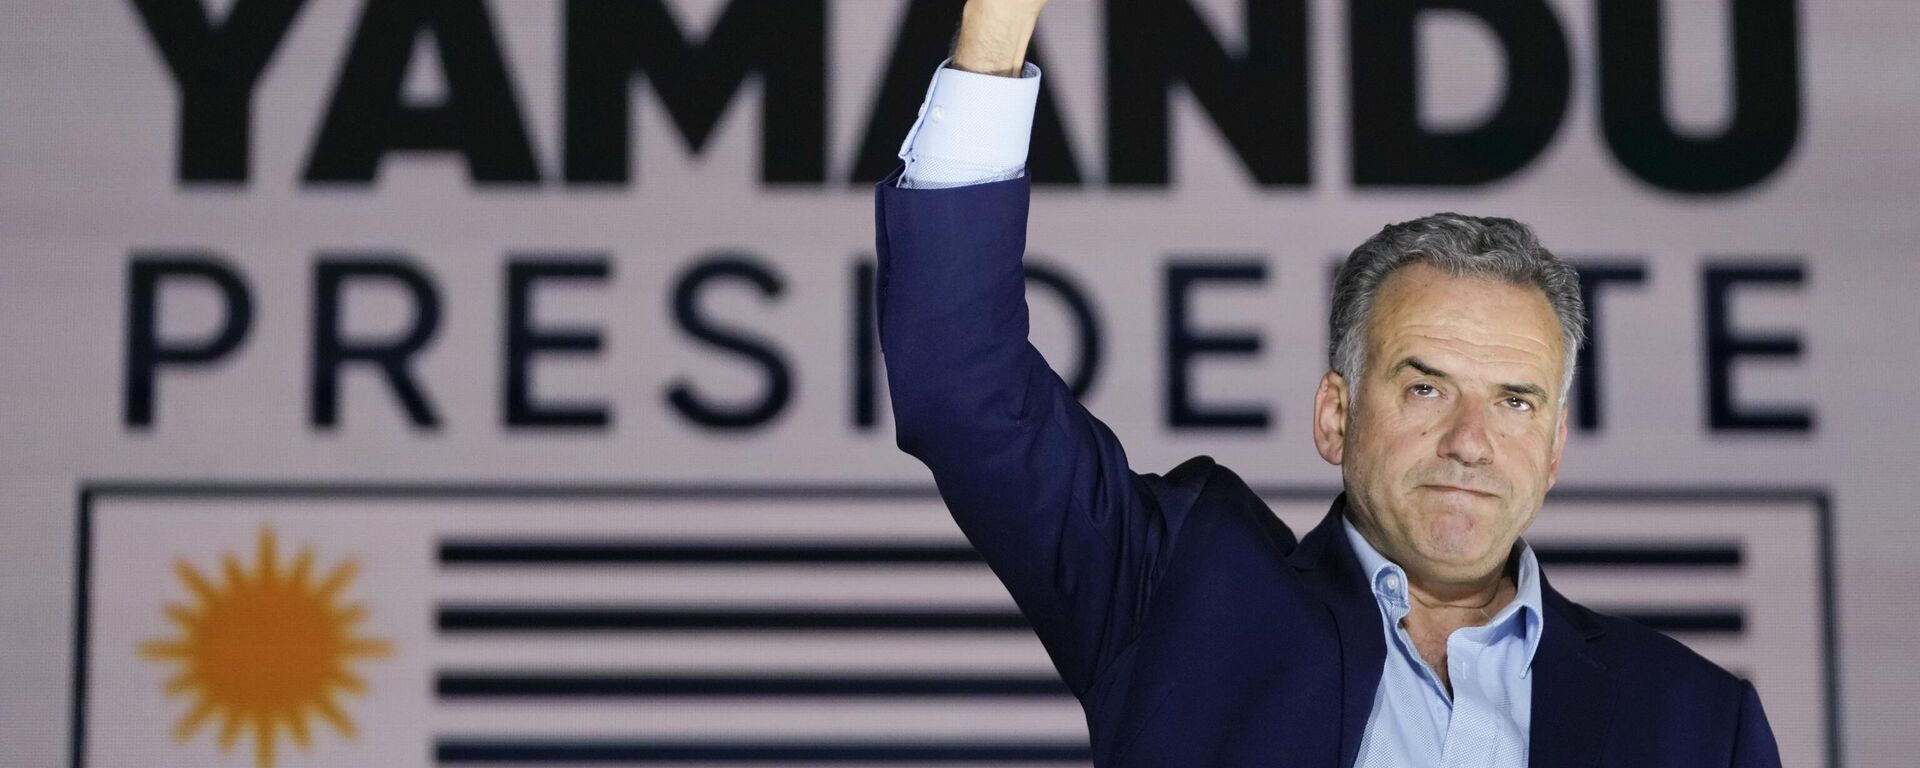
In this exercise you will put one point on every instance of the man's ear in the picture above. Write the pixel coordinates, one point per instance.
(1331, 404)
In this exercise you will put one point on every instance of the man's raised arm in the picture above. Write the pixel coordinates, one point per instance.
(1038, 485)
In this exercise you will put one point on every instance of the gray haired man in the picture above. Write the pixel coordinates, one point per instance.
(1412, 627)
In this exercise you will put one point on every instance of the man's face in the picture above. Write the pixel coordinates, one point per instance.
(1454, 438)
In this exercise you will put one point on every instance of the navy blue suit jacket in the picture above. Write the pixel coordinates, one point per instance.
(1193, 626)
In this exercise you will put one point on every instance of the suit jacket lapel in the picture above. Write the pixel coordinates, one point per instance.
(1570, 686)
(1327, 563)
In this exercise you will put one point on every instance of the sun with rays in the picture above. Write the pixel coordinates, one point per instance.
(266, 650)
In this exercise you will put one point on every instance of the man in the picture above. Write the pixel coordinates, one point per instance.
(1412, 627)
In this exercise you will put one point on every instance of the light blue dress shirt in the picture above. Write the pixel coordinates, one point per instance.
(974, 129)
(1485, 721)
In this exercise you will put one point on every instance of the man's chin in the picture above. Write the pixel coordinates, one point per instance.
(1458, 544)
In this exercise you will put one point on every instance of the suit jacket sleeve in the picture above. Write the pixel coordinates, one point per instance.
(1038, 485)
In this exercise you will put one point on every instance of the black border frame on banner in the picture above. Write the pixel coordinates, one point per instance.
(90, 491)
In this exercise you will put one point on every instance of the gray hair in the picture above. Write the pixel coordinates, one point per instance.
(1461, 246)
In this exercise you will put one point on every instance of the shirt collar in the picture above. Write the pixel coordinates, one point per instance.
(1388, 582)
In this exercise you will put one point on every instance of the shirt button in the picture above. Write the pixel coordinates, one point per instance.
(939, 114)
(1393, 582)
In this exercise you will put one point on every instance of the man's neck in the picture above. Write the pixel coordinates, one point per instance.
(1461, 605)
(1491, 592)
(1430, 589)
(1430, 622)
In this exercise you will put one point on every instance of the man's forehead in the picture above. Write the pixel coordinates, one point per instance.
(1421, 306)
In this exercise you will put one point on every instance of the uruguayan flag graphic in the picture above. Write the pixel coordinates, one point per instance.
(450, 625)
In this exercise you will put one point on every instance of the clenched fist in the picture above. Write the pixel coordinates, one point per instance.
(994, 35)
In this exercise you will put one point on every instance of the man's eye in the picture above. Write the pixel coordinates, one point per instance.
(1519, 404)
(1423, 390)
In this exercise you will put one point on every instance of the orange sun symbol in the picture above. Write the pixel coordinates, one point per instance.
(266, 650)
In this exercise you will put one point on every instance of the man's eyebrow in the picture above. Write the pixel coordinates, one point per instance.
(1525, 389)
(1416, 364)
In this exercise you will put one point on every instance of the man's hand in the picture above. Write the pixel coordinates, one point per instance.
(994, 35)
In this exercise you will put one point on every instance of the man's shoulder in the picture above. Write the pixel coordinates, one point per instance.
(1642, 653)
(1201, 481)
(1201, 487)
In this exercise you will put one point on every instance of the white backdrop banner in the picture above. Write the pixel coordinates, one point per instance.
(509, 366)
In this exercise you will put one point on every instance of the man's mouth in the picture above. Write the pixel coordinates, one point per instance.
(1449, 488)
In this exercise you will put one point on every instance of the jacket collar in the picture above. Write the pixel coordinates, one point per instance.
(1327, 562)
(1571, 677)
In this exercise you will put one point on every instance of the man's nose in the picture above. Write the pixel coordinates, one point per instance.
(1465, 440)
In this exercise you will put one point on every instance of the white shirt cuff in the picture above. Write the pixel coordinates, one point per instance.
(972, 129)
